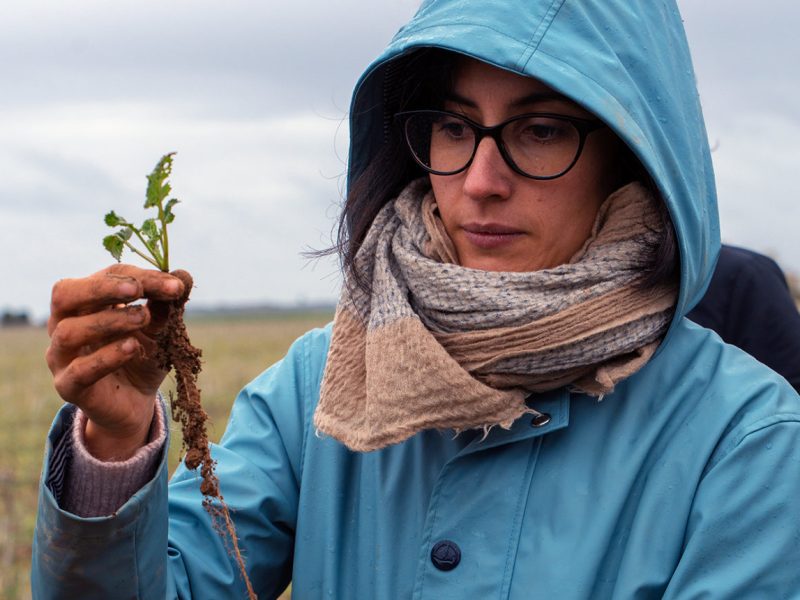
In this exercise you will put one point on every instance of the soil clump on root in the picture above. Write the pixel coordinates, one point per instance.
(175, 351)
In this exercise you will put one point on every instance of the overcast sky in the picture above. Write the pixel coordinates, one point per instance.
(253, 97)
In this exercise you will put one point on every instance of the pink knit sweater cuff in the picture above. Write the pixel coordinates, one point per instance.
(96, 488)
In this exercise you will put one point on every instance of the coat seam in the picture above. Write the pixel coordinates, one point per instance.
(136, 563)
(426, 541)
(406, 38)
(766, 423)
(306, 409)
(747, 431)
(522, 504)
(532, 45)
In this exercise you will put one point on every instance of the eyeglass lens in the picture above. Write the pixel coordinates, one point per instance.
(539, 146)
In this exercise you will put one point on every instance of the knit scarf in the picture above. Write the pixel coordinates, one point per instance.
(434, 345)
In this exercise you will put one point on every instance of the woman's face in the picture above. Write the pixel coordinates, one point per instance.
(500, 220)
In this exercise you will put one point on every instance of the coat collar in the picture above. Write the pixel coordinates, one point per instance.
(554, 404)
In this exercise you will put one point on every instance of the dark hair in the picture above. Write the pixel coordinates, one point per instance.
(661, 266)
(422, 79)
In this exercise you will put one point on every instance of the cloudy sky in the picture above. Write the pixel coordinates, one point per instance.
(253, 97)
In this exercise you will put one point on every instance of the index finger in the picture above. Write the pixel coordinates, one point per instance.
(118, 284)
(156, 285)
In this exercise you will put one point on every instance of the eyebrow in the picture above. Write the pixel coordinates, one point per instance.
(533, 98)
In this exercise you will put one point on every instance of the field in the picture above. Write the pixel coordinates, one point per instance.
(234, 351)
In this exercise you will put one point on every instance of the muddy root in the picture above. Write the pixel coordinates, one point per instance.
(175, 351)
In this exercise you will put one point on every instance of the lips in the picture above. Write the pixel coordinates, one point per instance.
(490, 235)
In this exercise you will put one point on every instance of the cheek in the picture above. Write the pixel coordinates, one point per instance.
(445, 193)
(569, 212)
(600, 165)
(590, 182)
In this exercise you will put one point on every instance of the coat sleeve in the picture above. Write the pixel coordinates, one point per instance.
(162, 543)
(743, 537)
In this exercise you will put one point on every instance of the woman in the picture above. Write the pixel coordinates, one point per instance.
(531, 211)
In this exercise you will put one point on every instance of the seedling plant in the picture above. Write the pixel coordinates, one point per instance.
(175, 350)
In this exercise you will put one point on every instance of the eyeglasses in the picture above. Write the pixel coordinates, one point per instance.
(535, 145)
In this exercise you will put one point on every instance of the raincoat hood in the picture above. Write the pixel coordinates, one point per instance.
(626, 61)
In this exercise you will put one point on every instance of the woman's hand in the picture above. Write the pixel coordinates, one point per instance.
(102, 352)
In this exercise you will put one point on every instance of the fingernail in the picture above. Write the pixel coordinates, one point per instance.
(136, 315)
(171, 286)
(128, 289)
(129, 345)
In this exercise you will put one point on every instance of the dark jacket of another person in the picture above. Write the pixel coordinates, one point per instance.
(748, 303)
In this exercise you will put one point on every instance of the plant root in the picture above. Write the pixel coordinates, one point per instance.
(175, 351)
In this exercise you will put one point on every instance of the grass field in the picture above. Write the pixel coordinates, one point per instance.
(235, 350)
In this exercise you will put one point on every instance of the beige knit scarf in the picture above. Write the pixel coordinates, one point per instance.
(437, 345)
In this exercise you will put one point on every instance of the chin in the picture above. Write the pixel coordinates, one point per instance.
(496, 264)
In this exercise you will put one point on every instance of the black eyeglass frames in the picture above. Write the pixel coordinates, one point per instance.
(535, 145)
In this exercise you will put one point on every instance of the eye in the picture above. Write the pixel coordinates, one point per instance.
(453, 128)
(543, 133)
(541, 130)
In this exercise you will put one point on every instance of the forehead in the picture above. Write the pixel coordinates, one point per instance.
(478, 83)
(470, 71)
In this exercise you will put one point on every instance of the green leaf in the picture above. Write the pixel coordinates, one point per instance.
(153, 232)
(114, 245)
(150, 230)
(112, 220)
(157, 187)
(169, 217)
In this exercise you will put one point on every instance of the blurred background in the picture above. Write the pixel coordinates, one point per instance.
(253, 97)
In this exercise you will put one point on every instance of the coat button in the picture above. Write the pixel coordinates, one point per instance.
(540, 420)
(445, 555)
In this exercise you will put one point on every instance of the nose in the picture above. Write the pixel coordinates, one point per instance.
(488, 176)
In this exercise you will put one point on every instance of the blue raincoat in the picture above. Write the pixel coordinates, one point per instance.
(683, 483)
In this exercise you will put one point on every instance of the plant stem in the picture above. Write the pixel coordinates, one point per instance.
(144, 256)
(164, 238)
(157, 261)
(165, 246)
